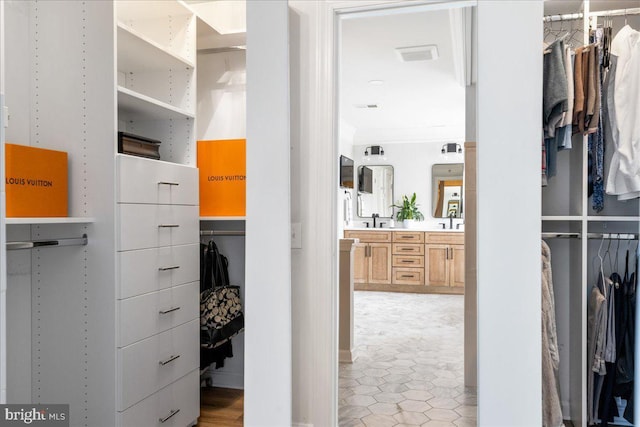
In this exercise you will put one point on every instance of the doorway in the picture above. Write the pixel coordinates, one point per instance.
(401, 109)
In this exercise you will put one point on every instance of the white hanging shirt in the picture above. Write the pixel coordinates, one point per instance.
(624, 171)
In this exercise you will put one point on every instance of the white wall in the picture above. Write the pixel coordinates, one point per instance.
(222, 96)
(509, 105)
(267, 397)
(412, 164)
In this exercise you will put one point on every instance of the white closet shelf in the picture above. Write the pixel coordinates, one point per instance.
(137, 106)
(562, 218)
(223, 218)
(151, 10)
(139, 53)
(613, 218)
(51, 220)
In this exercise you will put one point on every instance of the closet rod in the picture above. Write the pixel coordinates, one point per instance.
(549, 235)
(222, 232)
(613, 236)
(617, 12)
(580, 15)
(81, 241)
(610, 236)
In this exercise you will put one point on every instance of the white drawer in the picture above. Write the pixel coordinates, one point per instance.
(155, 362)
(149, 314)
(150, 226)
(180, 401)
(148, 270)
(143, 180)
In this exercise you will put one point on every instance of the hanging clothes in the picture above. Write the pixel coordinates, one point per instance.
(624, 171)
(597, 327)
(551, 409)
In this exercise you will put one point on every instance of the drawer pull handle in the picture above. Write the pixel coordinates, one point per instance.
(169, 360)
(171, 310)
(406, 237)
(173, 267)
(406, 249)
(408, 261)
(407, 276)
(169, 226)
(171, 414)
(168, 183)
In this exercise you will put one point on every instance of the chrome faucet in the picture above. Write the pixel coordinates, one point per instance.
(374, 216)
(451, 221)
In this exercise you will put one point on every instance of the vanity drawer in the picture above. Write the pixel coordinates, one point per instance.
(408, 261)
(148, 270)
(155, 362)
(448, 238)
(150, 226)
(148, 314)
(181, 398)
(408, 249)
(408, 236)
(369, 236)
(408, 276)
(143, 180)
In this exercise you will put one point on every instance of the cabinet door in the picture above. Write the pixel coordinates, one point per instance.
(380, 263)
(456, 266)
(436, 265)
(360, 263)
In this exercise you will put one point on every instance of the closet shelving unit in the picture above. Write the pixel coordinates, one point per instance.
(566, 208)
(77, 73)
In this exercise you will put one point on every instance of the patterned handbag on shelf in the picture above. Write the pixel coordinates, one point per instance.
(221, 314)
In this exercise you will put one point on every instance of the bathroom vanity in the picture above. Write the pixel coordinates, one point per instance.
(406, 260)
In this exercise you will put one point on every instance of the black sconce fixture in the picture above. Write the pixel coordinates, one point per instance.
(451, 147)
(374, 150)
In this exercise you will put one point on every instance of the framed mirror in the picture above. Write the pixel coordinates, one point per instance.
(375, 190)
(447, 188)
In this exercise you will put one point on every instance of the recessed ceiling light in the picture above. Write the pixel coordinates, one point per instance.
(418, 53)
(376, 82)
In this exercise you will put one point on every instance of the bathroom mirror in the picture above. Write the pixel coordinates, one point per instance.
(375, 190)
(447, 190)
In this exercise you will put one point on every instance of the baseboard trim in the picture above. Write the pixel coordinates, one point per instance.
(301, 425)
(227, 380)
(346, 356)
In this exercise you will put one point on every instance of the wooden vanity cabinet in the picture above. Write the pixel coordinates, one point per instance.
(444, 260)
(408, 261)
(372, 257)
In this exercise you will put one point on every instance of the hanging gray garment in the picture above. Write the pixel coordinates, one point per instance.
(610, 336)
(596, 330)
(554, 89)
(551, 408)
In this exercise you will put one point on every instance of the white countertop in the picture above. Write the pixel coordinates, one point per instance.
(425, 227)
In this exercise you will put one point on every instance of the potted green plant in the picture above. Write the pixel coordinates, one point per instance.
(408, 211)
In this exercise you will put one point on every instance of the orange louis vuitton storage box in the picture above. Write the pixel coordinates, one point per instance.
(35, 182)
(222, 168)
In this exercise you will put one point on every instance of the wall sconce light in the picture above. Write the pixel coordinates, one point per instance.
(374, 150)
(451, 147)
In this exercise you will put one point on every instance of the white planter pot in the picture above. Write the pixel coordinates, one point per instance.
(410, 223)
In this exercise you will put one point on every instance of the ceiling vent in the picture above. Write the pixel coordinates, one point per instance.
(418, 53)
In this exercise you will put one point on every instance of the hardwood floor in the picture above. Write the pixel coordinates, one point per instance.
(221, 407)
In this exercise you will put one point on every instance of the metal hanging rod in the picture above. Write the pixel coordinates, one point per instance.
(548, 235)
(610, 236)
(81, 241)
(222, 232)
(580, 15)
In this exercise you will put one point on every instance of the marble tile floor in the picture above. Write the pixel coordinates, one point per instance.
(409, 366)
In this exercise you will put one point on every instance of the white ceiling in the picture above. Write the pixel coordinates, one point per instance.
(418, 101)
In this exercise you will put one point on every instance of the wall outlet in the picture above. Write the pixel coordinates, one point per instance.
(296, 235)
